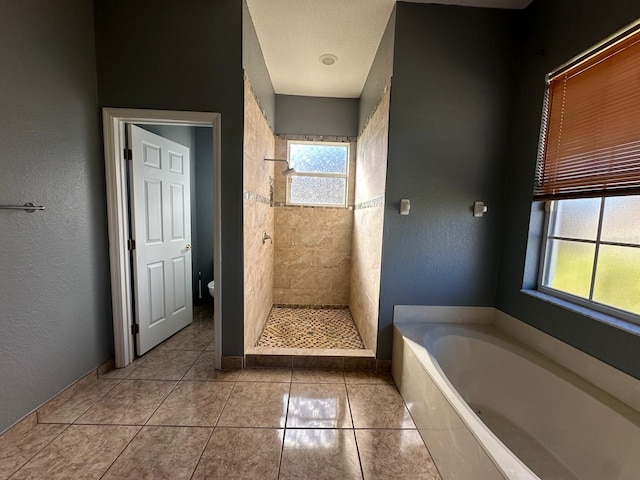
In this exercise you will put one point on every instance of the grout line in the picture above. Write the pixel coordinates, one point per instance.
(284, 428)
(40, 450)
(121, 452)
(206, 444)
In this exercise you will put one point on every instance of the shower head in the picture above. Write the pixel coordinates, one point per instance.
(288, 171)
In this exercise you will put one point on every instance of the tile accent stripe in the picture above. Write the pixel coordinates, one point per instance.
(376, 202)
(317, 207)
(256, 197)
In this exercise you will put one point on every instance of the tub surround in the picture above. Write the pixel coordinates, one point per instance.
(312, 262)
(493, 361)
(259, 143)
(371, 165)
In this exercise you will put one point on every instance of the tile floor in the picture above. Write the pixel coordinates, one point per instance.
(310, 328)
(171, 415)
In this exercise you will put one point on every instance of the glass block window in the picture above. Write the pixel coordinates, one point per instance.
(592, 253)
(321, 173)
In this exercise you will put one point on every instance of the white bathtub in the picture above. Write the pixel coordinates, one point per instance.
(488, 407)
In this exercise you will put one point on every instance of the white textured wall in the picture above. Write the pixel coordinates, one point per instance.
(55, 303)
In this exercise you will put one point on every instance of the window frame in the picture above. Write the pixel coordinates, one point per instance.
(289, 178)
(550, 210)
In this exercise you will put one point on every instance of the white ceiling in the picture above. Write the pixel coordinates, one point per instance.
(293, 35)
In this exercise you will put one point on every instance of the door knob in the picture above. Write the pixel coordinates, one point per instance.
(188, 247)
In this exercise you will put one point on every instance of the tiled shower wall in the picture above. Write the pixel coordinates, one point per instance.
(368, 221)
(312, 264)
(259, 143)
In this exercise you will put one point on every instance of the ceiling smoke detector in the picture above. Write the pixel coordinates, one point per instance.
(328, 59)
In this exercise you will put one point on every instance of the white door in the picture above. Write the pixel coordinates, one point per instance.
(161, 228)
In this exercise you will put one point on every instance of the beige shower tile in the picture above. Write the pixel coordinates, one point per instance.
(67, 408)
(161, 452)
(378, 406)
(397, 454)
(193, 404)
(22, 441)
(82, 451)
(131, 402)
(204, 370)
(319, 454)
(318, 405)
(241, 453)
(165, 365)
(256, 404)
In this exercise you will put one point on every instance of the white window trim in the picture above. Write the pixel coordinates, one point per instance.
(584, 302)
(319, 175)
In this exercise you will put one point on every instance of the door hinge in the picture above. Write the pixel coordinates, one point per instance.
(128, 154)
(135, 329)
(131, 244)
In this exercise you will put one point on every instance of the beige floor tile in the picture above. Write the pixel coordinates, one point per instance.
(131, 402)
(193, 337)
(165, 365)
(22, 441)
(317, 376)
(265, 375)
(365, 377)
(108, 370)
(195, 404)
(82, 451)
(170, 453)
(319, 454)
(378, 406)
(204, 369)
(316, 405)
(256, 404)
(397, 454)
(67, 408)
(241, 453)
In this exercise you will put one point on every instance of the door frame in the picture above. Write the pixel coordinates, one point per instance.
(114, 120)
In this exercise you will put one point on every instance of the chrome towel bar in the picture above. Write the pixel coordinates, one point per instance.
(27, 207)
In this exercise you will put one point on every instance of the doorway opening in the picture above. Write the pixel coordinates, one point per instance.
(122, 229)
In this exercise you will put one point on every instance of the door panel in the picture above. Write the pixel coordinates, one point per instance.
(161, 226)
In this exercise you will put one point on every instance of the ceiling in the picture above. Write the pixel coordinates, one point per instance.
(294, 34)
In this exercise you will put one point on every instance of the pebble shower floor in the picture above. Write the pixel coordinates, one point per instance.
(310, 328)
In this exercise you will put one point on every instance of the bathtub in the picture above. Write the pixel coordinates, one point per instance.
(489, 407)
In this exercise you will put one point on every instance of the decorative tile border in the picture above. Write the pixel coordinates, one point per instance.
(376, 202)
(256, 197)
(295, 305)
(317, 138)
(317, 207)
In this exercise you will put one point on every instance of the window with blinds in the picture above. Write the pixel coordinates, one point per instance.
(589, 173)
(590, 136)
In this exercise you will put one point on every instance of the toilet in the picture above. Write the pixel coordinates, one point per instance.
(212, 287)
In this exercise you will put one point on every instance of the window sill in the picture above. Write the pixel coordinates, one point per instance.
(609, 320)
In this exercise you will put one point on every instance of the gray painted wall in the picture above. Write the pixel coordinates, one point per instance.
(450, 108)
(551, 33)
(380, 73)
(204, 208)
(298, 115)
(199, 69)
(256, 68)
(55, 298)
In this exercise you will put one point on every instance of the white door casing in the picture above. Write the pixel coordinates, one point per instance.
(161, 228)
(114, 122)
